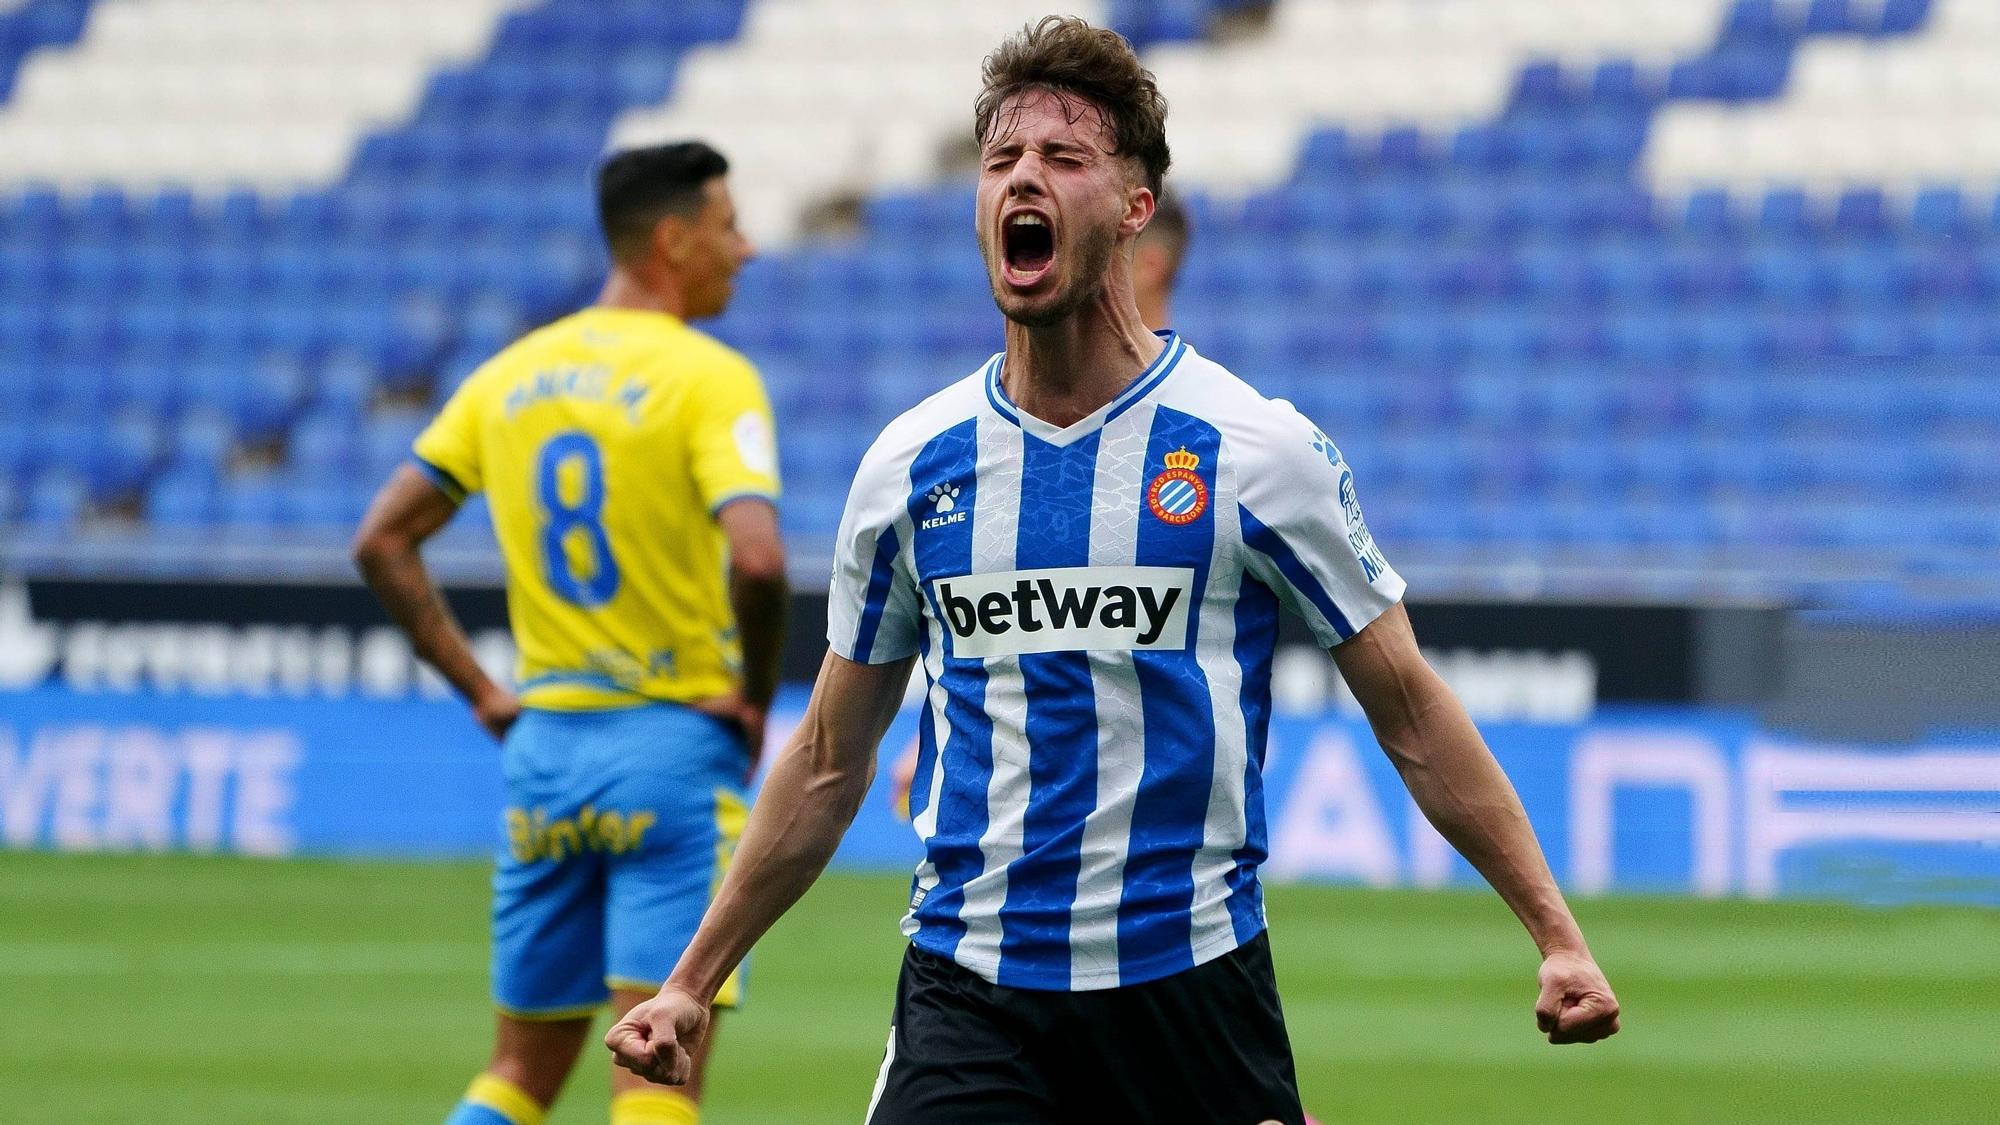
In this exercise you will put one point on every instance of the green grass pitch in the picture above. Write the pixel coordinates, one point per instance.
(173, 989)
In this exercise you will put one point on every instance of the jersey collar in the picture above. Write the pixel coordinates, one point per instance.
(1141, 385)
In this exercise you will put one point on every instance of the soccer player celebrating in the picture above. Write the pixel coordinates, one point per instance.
(1087, 544)
(1156, 263)
(626, 455)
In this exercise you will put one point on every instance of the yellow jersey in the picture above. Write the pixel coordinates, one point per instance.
(606, 443)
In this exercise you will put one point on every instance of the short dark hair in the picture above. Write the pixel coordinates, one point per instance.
(1070, 58)
(638, 187)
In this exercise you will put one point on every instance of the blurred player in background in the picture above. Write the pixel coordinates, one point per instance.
(1156, 261)
(1156, 264)
(1088, 542)
(626, 456)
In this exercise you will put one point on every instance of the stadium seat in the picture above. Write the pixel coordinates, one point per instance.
(57, 499)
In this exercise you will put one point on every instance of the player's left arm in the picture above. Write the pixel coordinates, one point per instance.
(388, 550)
(1461, 789)
(734, 458)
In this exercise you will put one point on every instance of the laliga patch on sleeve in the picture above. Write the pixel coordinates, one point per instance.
(754, 443)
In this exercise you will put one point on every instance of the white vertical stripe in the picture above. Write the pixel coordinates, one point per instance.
(1227, 825)
(882, 1076)
(996, 522)
(925, 822)
(1121, 722)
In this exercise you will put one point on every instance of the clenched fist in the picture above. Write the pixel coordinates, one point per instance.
(658, 1038)
(1576, 1004)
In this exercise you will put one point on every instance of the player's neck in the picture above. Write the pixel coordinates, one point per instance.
(1064, 371)
(626, 290)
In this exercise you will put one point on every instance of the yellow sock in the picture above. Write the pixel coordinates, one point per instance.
(490, 1091)
(654, 1107)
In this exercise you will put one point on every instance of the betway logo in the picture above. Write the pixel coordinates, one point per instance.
(1067, 609)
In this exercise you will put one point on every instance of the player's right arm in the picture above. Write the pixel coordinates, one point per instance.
(817, 785)
(418, 499)
(806, 805)
(409, 509)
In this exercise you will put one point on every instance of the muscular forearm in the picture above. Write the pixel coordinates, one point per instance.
(1465, 795)
(399, 578)
(760, 603)
(806, 805)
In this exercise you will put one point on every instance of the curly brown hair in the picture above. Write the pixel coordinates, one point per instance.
(1069, 57)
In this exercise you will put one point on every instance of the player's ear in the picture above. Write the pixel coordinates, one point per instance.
(1139, 207)
(670, 240)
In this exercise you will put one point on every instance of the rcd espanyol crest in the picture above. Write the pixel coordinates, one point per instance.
(1178, 496)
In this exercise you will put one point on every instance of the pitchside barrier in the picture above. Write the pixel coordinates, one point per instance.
(1672, 799)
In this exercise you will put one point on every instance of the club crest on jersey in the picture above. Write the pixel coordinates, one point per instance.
(1178, 495)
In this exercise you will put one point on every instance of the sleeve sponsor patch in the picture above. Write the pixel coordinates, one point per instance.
(754, 443)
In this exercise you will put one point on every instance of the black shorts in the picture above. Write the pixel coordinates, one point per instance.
(1204, 1047)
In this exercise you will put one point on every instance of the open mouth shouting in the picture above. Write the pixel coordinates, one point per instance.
(1028, 247)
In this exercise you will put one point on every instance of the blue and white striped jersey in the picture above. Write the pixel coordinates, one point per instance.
(1096, 607)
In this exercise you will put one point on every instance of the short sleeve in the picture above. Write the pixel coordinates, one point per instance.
(732, 441)
(1303, 533)
(447, 451)
(874, 615)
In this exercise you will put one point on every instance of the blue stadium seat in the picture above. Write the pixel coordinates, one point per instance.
(124, 455)
(203, 442)
(57, 499)
(1903, 16)
(323, 444)
(256, 502)
(1939, 212)
(386, 441)
(16, 444)
(1327, 154)
(1539, 84)
(181, 500)
(1862, 212)
(319, 503)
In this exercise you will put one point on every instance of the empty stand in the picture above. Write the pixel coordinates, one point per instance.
(1915, 111)
(1575, 341)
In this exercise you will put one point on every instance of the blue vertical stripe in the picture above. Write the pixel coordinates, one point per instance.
(1267, 541)
(1256, 640)
(920, 778)
(1169, 814)
(927, 748)
(1057, 484)
(880, 578)
(944, 552)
